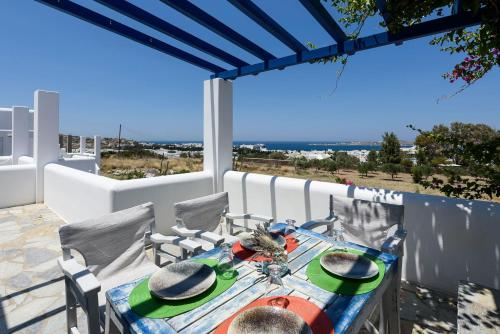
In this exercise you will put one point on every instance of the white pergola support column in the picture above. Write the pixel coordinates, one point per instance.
(97, 153)
(20, 133)
(46, 137)
(218, 129)
(82, 144)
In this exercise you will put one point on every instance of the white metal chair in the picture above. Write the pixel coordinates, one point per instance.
(375, 225)
(199, 220)
(113, 247)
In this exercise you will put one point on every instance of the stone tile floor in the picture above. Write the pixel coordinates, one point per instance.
(32, 289)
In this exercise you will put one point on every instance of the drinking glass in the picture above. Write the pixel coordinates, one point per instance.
(225, 265)
(338, 239)
(274, 281)
(290, 228)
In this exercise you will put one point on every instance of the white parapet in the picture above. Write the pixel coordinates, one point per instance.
(17, 185)
(448, 240)
(46, 137)
(82, 144)
(20, 133)
(218, 129)
(97, 153)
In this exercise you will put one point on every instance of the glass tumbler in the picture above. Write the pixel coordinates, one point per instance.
(226, 261)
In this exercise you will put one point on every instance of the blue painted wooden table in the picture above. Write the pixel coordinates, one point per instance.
(347, 313)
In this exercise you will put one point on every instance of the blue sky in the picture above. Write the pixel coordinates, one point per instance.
(105, 79)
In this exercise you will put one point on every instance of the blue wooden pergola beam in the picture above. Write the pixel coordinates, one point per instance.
(265, 21)
(126, 8)
(432, 27)
(195, 13)
(107, 23)
(316, 9)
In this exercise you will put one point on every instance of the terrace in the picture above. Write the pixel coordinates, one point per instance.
(448, 240)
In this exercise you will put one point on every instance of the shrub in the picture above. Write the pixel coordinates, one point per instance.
(331, 166)
(364, 168)
(407, 165)
(391, 169)
(340, 180)
(417, 173)
(427, 171)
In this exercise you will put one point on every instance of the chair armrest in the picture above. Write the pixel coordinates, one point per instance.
(82, 278)
(233, 216)
(190, 245)
(211, 237)
(394, 243)
(312, 224)
(159, 238)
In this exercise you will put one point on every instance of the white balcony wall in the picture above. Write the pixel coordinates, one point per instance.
(17, 185)
(5, 160)
(448, 239)
(26, 160)
(83, 163)
(75, 195)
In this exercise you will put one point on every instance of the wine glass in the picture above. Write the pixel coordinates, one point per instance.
(290, 228)
(225, 264)
(274, 281)
(337, 239)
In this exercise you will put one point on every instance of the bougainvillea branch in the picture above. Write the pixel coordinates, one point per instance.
(480, 45)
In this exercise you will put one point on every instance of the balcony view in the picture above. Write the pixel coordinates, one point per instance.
(249, 167)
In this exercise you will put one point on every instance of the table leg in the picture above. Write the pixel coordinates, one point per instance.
(110, 325)
(389, 315)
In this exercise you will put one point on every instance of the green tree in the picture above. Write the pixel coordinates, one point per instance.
(407, 165)
(301, 163)
(390, 151)
(417, 174)
(372, 157)
(443, 142)
(478, 152)
(344, 160)
(332, 166)
(391, 169)
(364, 168)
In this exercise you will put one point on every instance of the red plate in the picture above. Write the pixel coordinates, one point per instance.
(245, 254)
(313, 315)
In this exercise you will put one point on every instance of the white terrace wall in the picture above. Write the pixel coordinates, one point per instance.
(17, 185)
(6, 131)
(448, 239)
(75, 195)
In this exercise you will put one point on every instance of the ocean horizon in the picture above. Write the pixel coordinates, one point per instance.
(296, 145)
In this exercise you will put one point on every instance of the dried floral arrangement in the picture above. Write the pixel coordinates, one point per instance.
(264, 245)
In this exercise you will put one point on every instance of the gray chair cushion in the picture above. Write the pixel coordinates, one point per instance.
(203, 213)
(111, 244)
(365, 222)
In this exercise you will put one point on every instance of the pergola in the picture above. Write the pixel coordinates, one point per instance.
(218, 110)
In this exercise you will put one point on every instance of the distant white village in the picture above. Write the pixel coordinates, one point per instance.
(183, 148)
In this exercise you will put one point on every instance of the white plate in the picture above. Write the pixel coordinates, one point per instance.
(349, 265)
(268, 319)
(247, 243)
(181, 280)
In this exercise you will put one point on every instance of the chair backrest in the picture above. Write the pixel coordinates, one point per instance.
(202, 213)
(110, 243)
(365, 222)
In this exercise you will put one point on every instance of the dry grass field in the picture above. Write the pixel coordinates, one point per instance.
(116, 167)
(122, 168)
(403, 181)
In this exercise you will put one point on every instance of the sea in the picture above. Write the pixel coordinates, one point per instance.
(298, 145)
